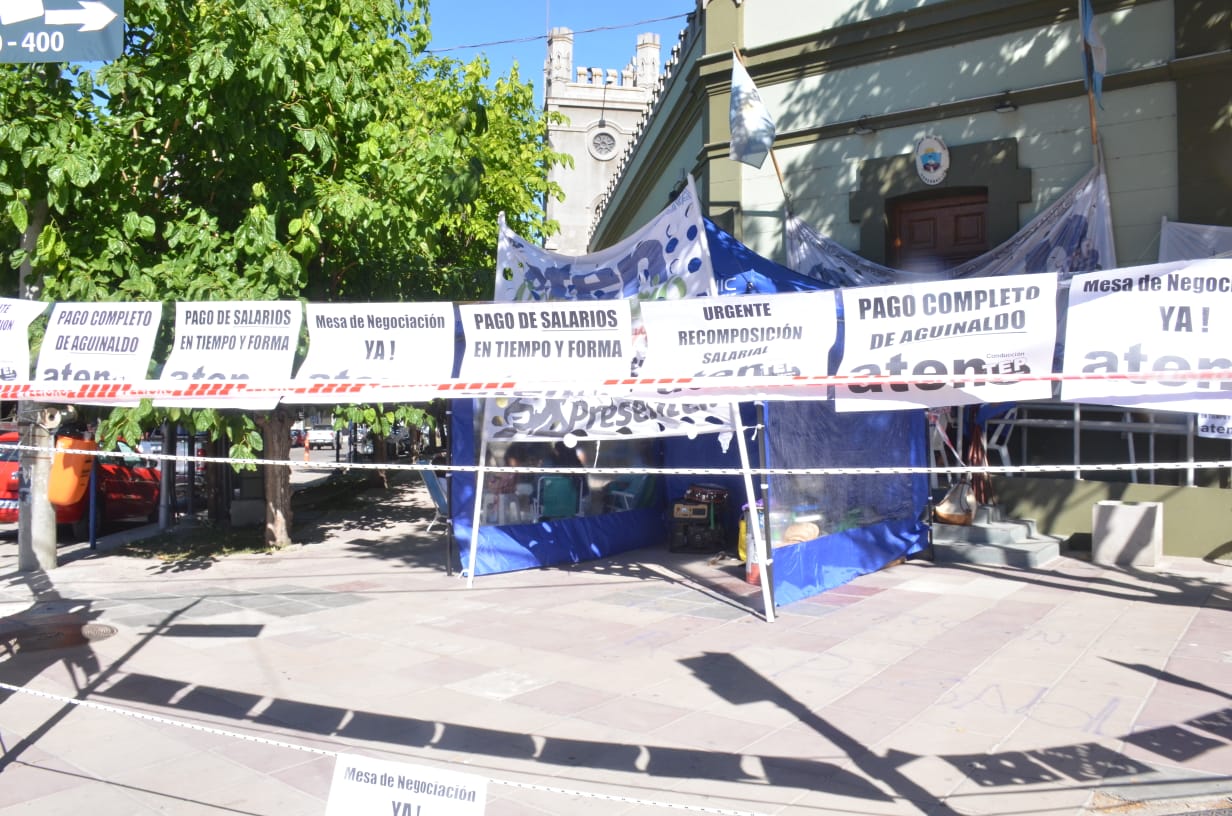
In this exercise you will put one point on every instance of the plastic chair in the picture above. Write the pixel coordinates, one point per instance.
(998, 436)
(557, 497)
(629, 494)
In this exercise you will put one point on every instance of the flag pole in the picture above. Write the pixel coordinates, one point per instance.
(1091, 109)
(1091, 101)
(778, 171)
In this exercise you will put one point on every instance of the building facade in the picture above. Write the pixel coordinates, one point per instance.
(854, 86)
(602, 107)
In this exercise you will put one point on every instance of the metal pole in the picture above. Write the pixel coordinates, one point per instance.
(166, 478)
(483, 458)
(764, 557)
(36, 518)
(449, 542)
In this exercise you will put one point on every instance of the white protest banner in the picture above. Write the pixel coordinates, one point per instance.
(252, 340)
(565, 341)
(739, 336)
(406, 342)
(363, 786)
(668, 258)
(1215, 426)
(571, 415)
(100, 342)
(1154, 320)
(15, 319)
(981, 326)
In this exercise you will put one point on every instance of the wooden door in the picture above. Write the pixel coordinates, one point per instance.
(935, 232)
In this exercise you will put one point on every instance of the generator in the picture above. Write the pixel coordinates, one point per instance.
(698, 520)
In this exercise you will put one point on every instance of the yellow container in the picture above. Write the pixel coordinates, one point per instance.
(744, 536)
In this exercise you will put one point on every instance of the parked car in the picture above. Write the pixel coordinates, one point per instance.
(297, 437)
(321, 436)
(126, 489)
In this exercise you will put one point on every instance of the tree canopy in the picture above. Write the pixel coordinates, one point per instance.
(266, 149)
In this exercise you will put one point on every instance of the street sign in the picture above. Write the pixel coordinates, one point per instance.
(67, 31)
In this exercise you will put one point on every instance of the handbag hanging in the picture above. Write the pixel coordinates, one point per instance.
(958, 504)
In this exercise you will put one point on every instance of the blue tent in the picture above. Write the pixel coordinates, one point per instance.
(863, 522)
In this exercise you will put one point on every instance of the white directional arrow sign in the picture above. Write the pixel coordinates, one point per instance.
(92, 16)
(87, 31)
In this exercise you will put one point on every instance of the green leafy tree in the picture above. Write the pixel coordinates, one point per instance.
(267, 149)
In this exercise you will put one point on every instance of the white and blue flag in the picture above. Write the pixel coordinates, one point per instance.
(752, 128)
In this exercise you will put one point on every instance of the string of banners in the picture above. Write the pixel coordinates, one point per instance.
(1153, 337)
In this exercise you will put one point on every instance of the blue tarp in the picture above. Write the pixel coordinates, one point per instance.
(869, 521)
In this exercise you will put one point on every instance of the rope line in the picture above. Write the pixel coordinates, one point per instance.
(141, 715)
(881, 470)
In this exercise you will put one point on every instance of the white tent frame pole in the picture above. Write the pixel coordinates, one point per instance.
(759, 539)
(471, 556)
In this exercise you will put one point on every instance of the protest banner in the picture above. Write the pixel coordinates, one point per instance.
(1214, 426)
(753, 335)
(573, 415)
(391, 342)
(15, 319)
(364, 786)
(564, 341)
(961, 329)
(1073, 235)
(234, 340)
(98, 342)
(668, 258)
(1152, 320)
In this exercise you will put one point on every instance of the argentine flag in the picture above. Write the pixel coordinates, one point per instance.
(1094, 55)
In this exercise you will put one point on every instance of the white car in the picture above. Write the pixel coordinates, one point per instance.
(320, 436)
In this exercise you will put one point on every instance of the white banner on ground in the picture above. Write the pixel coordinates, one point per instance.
(1162, 318)
(1073, 235)
(100, 342)
(668, 258)
(405, 342)
(363, 786)
(15, 319)
(997, 326)
(236, 340)
(740, 336)
(566, 340)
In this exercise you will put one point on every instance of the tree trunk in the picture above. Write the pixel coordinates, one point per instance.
(380, 456)
(276, 430)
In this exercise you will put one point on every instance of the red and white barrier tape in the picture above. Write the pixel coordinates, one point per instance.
(739, 387)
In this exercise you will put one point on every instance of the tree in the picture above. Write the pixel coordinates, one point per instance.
(265, 149)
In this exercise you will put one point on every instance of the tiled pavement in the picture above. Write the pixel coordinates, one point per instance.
(616, 686)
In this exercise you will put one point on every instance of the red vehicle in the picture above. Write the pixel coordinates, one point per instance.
(127, 488)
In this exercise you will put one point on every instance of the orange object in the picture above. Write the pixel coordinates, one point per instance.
(70, 472)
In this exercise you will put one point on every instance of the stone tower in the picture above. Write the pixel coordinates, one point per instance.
(603, 106)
